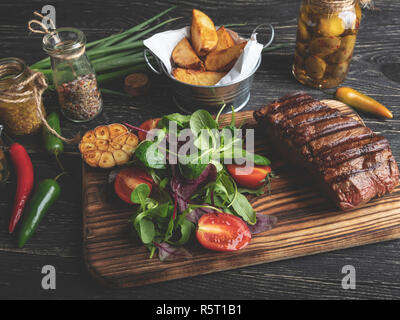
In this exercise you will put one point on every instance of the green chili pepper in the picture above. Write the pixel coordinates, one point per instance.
(52, 144)
(46, 194)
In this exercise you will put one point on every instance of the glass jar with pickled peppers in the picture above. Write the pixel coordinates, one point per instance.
(73, 75)
(326, 38)
(18, 105)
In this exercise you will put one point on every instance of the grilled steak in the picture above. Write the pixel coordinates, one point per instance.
(350, 163)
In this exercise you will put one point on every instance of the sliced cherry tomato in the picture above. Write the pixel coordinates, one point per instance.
(127, 180)
(253, 180)
(222, 232)
(147, 125)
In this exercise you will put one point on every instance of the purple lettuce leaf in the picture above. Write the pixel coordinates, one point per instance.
(183, 189)
(167, 252)
(195, 215)
(264, 223)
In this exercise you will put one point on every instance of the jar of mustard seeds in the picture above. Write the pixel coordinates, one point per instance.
(18, 104)
(326, 36)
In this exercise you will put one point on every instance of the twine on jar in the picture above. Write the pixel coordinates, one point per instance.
(37, 82)
(45, 30)
(367, 4)
(332, 6)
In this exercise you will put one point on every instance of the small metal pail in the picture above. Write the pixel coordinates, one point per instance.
(190, 98)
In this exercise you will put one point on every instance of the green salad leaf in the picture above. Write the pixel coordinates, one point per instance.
(182, 121)
(147, 230)
(150, 155)
(244, 209)
(140, 194)
(200, 120)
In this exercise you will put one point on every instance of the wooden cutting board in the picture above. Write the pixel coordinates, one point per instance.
(307, 224)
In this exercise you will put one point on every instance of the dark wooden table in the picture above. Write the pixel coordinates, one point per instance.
(58, 241)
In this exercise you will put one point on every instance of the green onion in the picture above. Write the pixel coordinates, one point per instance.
(276, 47)
(232, 25)
(111, 57)
(136, 37)
(106, 77)
(97, 52)
(139, 27)
(119, 63)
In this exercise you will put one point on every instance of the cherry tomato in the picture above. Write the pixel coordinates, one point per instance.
(222, 232)
(147, 125)
(254, 180)
(127, 180)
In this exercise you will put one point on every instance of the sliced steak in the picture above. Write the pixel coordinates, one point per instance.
(295, 110)
(363, 163)
(306, 119)
(360, 188)
(332, 140)
(319, 129)
(288, 101)
(350, 163)
(351, 150)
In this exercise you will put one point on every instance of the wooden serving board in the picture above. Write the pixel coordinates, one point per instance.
(307, 224)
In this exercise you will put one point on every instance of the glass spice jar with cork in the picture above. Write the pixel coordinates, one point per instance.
(326, 37)
(21, 107)
(73, 75)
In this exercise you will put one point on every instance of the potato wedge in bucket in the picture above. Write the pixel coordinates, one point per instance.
(198, 78)
(185, 57)
(204, 34)
(224, 60)
(225, 39)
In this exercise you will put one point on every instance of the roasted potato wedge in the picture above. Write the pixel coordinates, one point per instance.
(108, 146)
(225, 39)
(224, 60)
(198, 78)
(184, 56)
(204, 35)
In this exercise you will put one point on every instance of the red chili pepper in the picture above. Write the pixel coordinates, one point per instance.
(24, 169)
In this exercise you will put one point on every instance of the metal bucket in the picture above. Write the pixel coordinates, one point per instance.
(190, 98)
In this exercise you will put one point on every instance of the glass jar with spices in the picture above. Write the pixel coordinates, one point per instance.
(326, 36)
(73, 75)
(19, 90)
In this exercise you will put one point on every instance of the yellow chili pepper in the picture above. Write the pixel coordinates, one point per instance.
(362, 102)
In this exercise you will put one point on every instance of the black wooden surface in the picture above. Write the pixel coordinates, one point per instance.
(58, 241)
